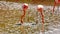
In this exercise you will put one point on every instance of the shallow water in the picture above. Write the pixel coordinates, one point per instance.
(10, 14)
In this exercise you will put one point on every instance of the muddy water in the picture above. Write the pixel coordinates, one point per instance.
(10, 13)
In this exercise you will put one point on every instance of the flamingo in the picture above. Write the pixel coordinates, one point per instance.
(55, 3)
(25, 7)
(40, 9)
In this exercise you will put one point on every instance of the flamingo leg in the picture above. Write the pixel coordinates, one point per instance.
(28, 16)
(22, 17)
(42, 17)
(42, 21)
(54, 7)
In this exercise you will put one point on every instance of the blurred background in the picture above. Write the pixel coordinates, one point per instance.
(11, 11)
(45, 2)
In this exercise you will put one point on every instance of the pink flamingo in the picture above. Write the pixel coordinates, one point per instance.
(25, 7)
(40, 9)
(55, 3)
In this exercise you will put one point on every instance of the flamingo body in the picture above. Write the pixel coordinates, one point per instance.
(55, 3)
(25, 7)
(40, 9)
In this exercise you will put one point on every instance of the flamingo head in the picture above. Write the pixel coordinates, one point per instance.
(25, 6)
(40, 8)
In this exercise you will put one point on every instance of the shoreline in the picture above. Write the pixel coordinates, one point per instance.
(35, 2)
